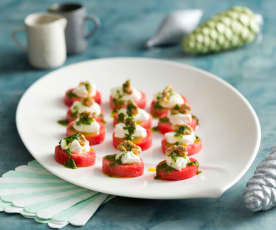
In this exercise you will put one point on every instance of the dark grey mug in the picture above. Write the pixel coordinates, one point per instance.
(75, 13)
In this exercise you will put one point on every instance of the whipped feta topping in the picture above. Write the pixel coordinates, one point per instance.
(174, 100)
(177, 163)
(81, 91)
(93, 127)
(120, 132)
(135, 95)
(183, 139)
(128, 157)
(142, 115)
(180, 118)
(75, 146)
(79, 107)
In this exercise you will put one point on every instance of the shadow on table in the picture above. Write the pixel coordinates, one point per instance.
(175, 51)
(13, 61)
(226, 212)
(13, 152)
(164, 51)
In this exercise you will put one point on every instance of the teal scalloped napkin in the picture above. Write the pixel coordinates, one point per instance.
(33, 192)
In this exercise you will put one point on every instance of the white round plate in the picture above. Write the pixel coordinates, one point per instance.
(229, 127)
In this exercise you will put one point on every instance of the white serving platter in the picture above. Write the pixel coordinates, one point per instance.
(229, 127)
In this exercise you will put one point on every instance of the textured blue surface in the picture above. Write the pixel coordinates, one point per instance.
(126, 26)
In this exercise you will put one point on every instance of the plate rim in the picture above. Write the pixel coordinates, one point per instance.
(213, 194)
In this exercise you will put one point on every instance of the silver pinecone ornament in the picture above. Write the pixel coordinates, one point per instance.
(260, 191)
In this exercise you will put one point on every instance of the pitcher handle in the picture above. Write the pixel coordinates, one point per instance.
(17, 42)
(97, 23)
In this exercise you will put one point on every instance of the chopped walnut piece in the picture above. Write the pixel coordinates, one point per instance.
(126, 146)
(87, 101)
(188, 130)
(127, 87)
(166, 94)
(183, 130)
(88, 115)
(82, 140)
(132, 108)
(179, 149)
(185, 109)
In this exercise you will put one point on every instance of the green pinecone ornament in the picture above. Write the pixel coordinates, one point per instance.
(227, 30)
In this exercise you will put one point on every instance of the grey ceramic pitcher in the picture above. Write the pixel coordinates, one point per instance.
(76, 37)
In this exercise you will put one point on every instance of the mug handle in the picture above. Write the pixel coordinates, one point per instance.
(17, 42)
(97, 23)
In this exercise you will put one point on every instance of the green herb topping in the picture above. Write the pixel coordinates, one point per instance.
(120, 93)
(132, 108)
(70, 163)
(155, 129)
(157, 105)
(198, 172)
(113, 159)
(68, 151)
(183, 130)
(174, 155)
(130, 127)
(121, 117)
(164, 167)
(64, 122)
(164, 120)
(70, 94)
(85, 118)
(177, 143)
(71, 138)
(87, 86)
(193, 163)
(75, 111)
(74, 114)
(118, 98)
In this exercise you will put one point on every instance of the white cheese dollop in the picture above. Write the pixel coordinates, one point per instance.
(128, 157)
(184, 139)
(63, 144)
(142, 115)
(180, 118)
(135, 95)
(120, 132)
(174, 100)
(78, 106)
(178, 163)
(94, 127)
(81, 91)
(75, 146)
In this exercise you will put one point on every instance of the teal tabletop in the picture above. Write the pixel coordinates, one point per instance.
(126, 25)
